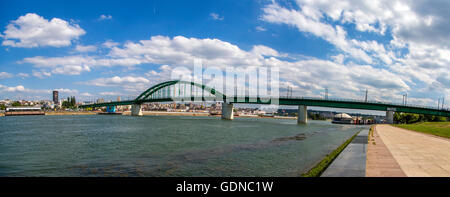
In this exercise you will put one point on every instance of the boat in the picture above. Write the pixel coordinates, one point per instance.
(23, 111)
(342, 118)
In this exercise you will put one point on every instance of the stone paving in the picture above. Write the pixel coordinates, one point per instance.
(417, 154)
(380, 162)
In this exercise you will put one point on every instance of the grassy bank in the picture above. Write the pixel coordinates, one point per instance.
(435, 128)
(317, 170)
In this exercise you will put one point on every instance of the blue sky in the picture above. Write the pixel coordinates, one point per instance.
(105, 49)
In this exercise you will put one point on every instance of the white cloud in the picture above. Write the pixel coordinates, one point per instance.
(117, 81)
(32, 30)
(4, 75)
(41, 74)
(338, 58)
(127, 83)
(110, 44)
(216, 16)
(418, 53)
(180, 50)
(85, 48)
(86, 94)
(110, 93)
(71, 65)
(264, 50)
(21, 89)
(104, 17)
(67, 91)
(259, 28)
(23, 75)
(310, 23)
(419, 21)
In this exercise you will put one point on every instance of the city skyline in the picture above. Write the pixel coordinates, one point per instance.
(389, 48)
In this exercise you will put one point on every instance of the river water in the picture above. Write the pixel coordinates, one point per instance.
(98, 145)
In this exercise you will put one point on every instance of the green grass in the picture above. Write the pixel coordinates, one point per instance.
(317, 170)
(435, 128)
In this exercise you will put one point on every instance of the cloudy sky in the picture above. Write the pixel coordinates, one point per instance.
(105, 49)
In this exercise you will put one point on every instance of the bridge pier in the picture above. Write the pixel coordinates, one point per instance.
(389, 117)
(227, 111)
(136, 110)
(302, 117)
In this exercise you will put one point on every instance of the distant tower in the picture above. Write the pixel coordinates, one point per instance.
(367, 91)
(326, 93)
(442, 103)
(288, 92)
(55, 97)
(118, 98)
(405, 98)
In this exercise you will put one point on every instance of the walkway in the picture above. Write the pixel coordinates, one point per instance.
(416, 153)
(351, 162)
(380, 162)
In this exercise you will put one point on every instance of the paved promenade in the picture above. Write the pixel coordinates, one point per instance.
(380, 162)
(417, 154)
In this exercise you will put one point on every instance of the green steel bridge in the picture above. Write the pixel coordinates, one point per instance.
(185, 91)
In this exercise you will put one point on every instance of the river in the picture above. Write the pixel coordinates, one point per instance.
(95, 145)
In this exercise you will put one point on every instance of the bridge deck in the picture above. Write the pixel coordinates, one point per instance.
(333, 103)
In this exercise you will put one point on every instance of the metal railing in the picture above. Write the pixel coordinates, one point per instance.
(178, 97)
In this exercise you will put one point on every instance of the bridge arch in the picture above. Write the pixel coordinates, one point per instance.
(147, 94)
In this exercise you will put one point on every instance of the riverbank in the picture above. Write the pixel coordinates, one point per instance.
(351, 162)
(164, 113)
(441, 129)
(161, 113)
(320, 168)
(61, 113)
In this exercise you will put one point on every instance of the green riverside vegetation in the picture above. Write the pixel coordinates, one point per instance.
(317, 170)
(435, 128)
(408, 118)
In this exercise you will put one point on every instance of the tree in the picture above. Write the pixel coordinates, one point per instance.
(428, 118)
(398, 117)
(72, 101)
(411, 118)
(439, 119)
(408, 118)
(16, 104)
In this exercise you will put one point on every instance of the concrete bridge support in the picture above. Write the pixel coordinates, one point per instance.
(389, 117)
(227, 111)
(136, 110)
(302, 117)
